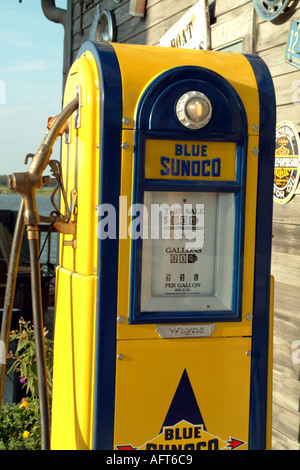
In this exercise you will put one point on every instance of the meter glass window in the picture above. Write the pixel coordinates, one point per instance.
(188, 257)
(194, 109)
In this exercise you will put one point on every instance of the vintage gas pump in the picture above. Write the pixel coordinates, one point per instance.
(163, 329)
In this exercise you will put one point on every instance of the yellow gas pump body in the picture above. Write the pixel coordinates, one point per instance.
(122, 379)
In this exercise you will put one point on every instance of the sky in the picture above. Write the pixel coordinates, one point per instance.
(31, 62)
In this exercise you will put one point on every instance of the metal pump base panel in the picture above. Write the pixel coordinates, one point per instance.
(164, 305)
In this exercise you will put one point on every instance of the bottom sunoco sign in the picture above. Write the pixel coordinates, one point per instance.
(287, 170)
(185, 435)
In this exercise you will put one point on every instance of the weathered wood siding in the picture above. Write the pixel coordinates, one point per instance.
(232, 22)
(160, 16)
(271, 40)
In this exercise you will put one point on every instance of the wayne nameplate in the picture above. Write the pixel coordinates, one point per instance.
(185, 331)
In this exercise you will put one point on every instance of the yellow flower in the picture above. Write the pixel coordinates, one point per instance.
(24, 404)
(26, 434)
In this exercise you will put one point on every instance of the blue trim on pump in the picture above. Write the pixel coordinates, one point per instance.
(156, 119)
(263, 243)
(155, 113)
(236, 187)
(110, 168)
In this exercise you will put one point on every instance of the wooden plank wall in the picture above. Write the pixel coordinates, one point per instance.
(286, 270)
(232, 22)
(271, 42)
(133, 30)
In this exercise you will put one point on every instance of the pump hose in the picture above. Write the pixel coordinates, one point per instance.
(10, 293)
(37, 314)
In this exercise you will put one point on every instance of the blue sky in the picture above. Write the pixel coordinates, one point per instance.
(31, 60)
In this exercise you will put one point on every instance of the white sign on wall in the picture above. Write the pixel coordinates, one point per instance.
(192, 31)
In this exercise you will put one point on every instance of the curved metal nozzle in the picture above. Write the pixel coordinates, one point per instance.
(27, 183)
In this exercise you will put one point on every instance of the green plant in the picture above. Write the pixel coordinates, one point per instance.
(19, 427)
(19, 422)
(25, 358)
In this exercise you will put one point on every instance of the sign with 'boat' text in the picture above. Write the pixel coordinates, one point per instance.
(191, 31)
